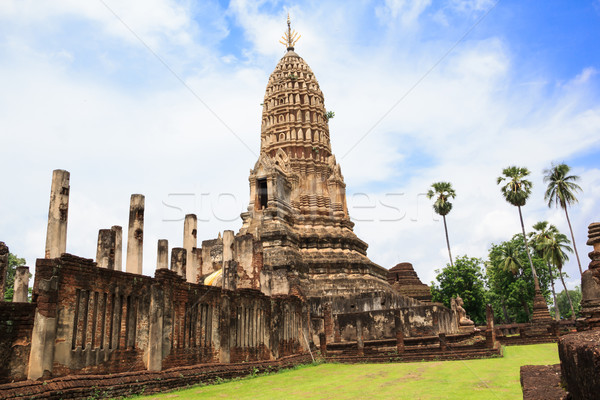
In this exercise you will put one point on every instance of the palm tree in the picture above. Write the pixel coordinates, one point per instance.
(561, 192)
(509, 258)
(543, 232)
(442, 205)
(509, 261)
(516, 191)
(555, 250)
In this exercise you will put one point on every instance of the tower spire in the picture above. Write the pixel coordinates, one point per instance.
(290, 37)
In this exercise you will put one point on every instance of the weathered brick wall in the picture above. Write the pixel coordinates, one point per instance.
(580, 362)
(104, 319)
(376, 325)
(428, 319)
(287, 325)
(191, 321)
(16, 323)
(102, 315)
(336, 317)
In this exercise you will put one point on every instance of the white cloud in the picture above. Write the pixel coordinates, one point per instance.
(468, 6)
(408, 11)
(150, 19)
(463, 122)
(585, 75)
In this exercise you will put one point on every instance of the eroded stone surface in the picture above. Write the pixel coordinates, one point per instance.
(135, 235)
(580, 363)
(56, 234)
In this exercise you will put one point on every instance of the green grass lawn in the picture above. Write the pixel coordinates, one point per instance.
(496, 378)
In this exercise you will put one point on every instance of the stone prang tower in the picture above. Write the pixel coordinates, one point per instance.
(297, 206)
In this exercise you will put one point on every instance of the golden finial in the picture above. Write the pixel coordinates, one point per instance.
(290, 37)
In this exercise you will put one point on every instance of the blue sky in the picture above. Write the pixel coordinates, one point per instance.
(163, 98)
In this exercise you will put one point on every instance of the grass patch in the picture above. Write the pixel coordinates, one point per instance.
(496, 378)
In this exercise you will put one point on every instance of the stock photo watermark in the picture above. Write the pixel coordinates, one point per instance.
(362, 207)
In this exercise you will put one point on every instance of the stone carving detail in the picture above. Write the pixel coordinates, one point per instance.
(282, 160)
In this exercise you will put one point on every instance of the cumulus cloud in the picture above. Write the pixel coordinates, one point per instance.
(123, 123)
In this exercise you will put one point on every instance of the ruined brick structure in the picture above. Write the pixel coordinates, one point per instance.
(95, 320)
(405, 280)
(298, 220)
(294, 276)
(297, 206)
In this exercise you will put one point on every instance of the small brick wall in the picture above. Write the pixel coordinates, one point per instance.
(16, 324)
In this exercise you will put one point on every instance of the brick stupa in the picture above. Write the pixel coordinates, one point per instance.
(405, 281)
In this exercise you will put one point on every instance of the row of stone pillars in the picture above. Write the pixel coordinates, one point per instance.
(185, 260)
(109, 253)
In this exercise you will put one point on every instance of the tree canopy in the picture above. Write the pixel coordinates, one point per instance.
(443, 192)
(13, 263)
(517, 189)
(561, 186)
(465, 278)
(564, 306)
(510, 282)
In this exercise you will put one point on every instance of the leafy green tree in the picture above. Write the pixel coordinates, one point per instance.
(13, 263)
(555, 252)
(561, 193)
(443, 192)
(516, 191)
(510, 281)
(543, 231)
(465, 278)
(564, 304)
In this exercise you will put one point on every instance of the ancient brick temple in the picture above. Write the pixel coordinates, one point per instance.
(294, 276)
(297, 205)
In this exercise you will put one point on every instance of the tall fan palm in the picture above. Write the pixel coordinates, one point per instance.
(555, 249)
(516, 191)
(561, 193)
(543, 232)
(442, 205)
